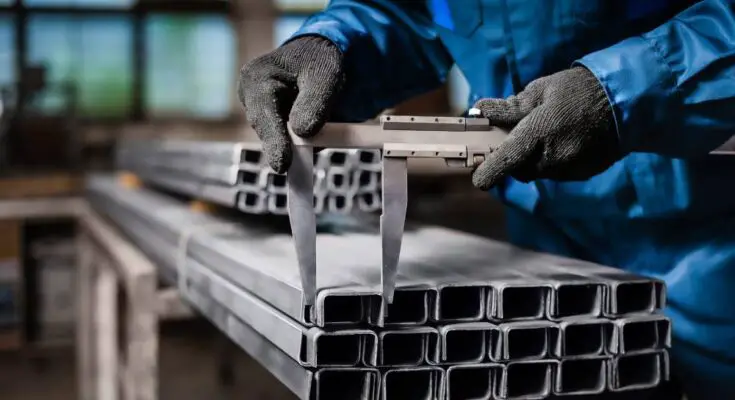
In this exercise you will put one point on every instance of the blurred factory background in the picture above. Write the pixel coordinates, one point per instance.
(76, 76)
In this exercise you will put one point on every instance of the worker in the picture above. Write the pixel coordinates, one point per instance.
(613, 107)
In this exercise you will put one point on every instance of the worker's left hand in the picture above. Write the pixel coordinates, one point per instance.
(561, 127)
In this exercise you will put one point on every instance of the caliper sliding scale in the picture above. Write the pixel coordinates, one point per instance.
(461, 142)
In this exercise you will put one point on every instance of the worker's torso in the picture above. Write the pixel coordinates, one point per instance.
(502, 45)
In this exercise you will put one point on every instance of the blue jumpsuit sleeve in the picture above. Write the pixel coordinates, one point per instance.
(391, 52)
(673, 89)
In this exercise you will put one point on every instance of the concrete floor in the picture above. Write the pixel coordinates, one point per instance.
(189, 358)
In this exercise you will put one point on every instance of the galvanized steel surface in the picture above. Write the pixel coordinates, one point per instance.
(472, 318)
(235, 174)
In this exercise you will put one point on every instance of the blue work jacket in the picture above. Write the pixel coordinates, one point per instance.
(669, 71)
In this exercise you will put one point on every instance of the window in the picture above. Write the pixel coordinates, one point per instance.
(287, 26)
(93, 52)
(7, 50)
(191, 66)
(305, 5)
(80, 3)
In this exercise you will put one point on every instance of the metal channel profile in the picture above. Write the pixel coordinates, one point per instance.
(526, 380)
(638, 371)
(234, 174)
(472, 382)
(322, 384)
(276, 282)
(584, 338)
(574, 296)
(641, 333)
(445, 276)
(528, 340)
(468, 343)
(408, 347)
(518, 301)
(625, 293)
(313, 347)
(417, 383)
(410, 307)
(309, 346)
(581, 376)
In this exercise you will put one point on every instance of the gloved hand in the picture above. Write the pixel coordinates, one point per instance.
(562, 127)
(296, 83)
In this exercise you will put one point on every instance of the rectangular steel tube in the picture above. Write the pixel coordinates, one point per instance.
(409, 307)
(408, 347)
(277, 282)
(311, 347)
(641, 333)
(359, 383)
(526, 380)
(581, 376)
(527, 340)
(419, 383)
(638, 371)
(472, 382)
(468, 343)
(584, 338)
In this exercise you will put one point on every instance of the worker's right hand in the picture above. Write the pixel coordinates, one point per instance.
(297, 83)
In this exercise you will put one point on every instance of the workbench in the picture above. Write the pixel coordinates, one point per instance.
(120, 303)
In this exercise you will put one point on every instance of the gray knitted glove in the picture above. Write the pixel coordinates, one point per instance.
(562, 128)
(297, 83)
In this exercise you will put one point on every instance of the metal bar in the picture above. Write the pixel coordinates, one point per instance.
(625, 293)
(435, 260)
(468, 343)
(303, 219)
(641, 334)
(392, 222)
(638, 371)
(373, 136)
(472, 382)
(528, 340)
(305, 384)
(419, 383)
(310, 347)
(526, 380)
(408, 347)
(581, 376)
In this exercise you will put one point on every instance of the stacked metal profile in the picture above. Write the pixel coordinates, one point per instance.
(234, 174)
(471, 319)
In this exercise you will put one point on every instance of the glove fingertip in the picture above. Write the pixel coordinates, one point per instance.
(483, 178)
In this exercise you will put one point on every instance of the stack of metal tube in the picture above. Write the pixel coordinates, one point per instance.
(472, 318)
(234, 174)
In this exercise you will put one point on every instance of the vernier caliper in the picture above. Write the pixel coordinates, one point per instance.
(461, 142)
